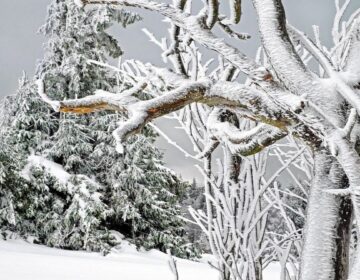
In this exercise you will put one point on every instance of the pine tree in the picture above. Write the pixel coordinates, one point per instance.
(32, 123)
(82, 225)
(103, 190)
(10, 185)
(145, 200)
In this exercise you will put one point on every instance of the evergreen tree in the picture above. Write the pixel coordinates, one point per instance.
(10, 184)
(33, 123)
(144, 202)
(82, 224)
(103, 190)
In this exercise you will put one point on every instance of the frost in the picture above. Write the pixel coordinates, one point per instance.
(282, 95)
(79, 3)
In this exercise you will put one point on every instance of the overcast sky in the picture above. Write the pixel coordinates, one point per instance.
(21, 46)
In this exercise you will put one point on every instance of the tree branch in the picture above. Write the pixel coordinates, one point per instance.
(243, 142)
(198, 32)
(278, 47)
(236, 11)
(248, 101)
(213, 13)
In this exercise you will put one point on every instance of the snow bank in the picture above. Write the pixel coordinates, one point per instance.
(20, 260)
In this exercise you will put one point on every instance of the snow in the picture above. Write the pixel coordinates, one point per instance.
(20, 260)
(53, 168)
(79, 3)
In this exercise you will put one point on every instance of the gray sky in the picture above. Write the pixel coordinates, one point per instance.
(21, 47)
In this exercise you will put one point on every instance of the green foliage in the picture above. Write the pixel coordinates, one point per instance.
(145, 199)
(103, 191)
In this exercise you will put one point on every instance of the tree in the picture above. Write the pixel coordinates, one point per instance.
(10, 163)
(284, 96)
(30, 124)
(145, 200)
(64, 196)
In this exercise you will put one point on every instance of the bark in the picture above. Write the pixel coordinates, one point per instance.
(327, 233)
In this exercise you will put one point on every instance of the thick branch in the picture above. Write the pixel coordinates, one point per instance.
(236, 11)
(100, 101)
(175, 47)
(259, 142)
(279, 49)
(213, 13)
(243, 142)
(247, 101)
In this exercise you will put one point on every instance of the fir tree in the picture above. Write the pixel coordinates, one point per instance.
(11, 184)
(32, 123)
(145, 200)
(133, 194)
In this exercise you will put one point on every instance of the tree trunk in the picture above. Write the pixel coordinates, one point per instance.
(325, 254)
(259, 270)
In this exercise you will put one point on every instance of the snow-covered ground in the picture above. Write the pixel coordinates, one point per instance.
(23, 261)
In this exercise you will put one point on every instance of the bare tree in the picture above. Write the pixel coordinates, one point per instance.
(283, 95)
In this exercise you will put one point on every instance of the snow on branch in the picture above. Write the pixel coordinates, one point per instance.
(196, 30)
(345, 90)
(352, 119)
(313, 49)
(145, 111)
(243, 142)
(251, 102)
(279, 48)
(337, 25)
(41, 90)
(173, 265)
(232, 33)
(100, 101)
(175, 46)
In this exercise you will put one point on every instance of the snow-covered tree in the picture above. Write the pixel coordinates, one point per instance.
(11, 185)
(68, 196)
(30, 123)
(144, 198)
(83, 223)
(284, 95)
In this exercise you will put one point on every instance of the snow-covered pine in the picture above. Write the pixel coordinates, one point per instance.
(68, 160)
(11, 185)
(80, 149)
(145, 199)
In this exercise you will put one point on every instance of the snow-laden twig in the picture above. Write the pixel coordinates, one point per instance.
(193, 27)
(173, 143)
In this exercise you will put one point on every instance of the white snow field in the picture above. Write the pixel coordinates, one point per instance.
(20, 260)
